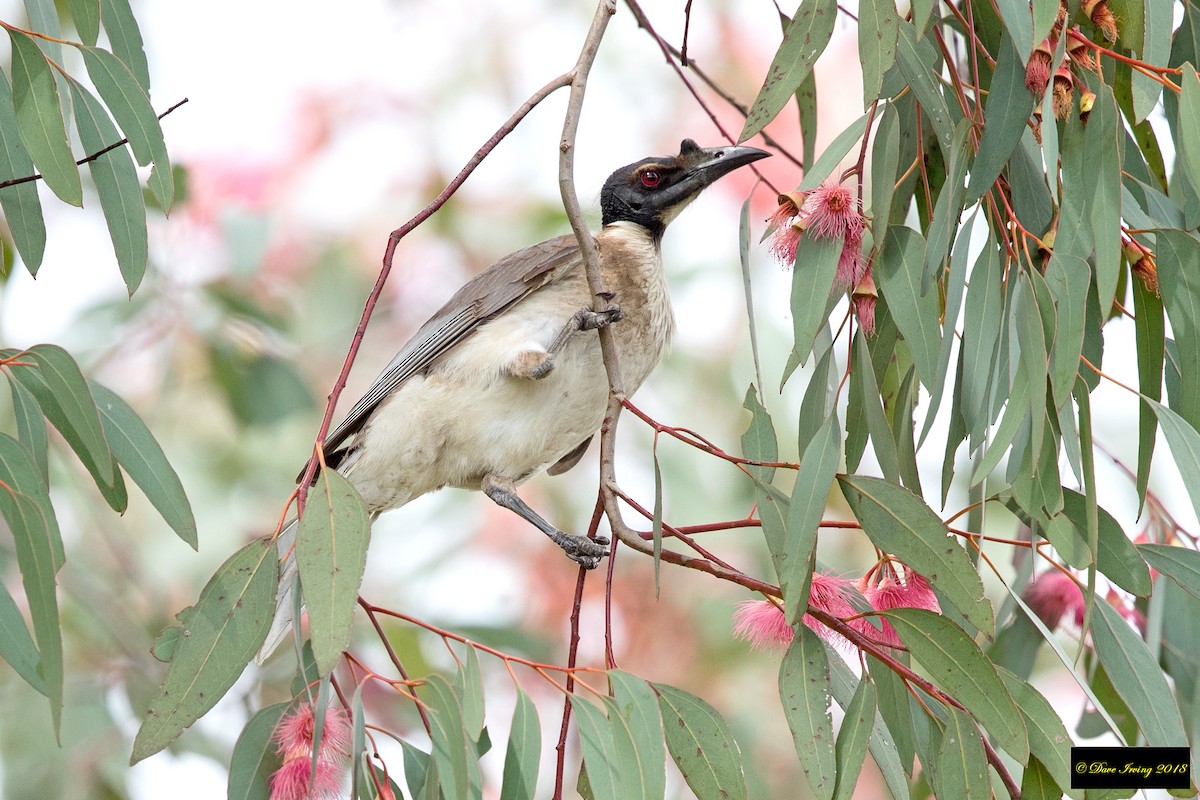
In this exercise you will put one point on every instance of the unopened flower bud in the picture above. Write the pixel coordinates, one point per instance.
(1101, 16)
(1037, 71)
(1147, 271)
(1087, 99)
(1063, 91)
(1079, 50)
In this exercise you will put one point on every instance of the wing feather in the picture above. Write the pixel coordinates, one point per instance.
(494, 290)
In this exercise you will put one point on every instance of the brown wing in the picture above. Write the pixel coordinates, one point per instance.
(491, 292)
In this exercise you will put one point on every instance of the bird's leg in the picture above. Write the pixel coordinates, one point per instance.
(581, 549)
(536, 365)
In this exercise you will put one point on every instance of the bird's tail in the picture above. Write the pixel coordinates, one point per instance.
(285, 596)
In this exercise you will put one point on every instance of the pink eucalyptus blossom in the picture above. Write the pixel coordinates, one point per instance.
(763, 625)
(296, 779)
(890, 592)
(830, 593)
(786, 227)
(831, 211)
(1053, 595)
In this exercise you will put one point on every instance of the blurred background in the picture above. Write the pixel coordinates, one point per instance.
(314, 128)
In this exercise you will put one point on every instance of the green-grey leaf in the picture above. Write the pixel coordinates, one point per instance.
(599, 751)
(1178, 563)
(1049, 741)
(524, 748)
(833, 154)
(701, 745)
(130, 105)
(803, 41)
(16, 644)
(885, 166)
(117, 185)
(31, 428)
(818, 465)
(911, 57)
(140, 455)
(254, 758)
(899, 522)
(33, 538)
(126, 39)
(858, 724)
(86, 16)
(872, 408)
(804, 690)
(637, 705)
(877, 20)
(453, 751)
(899, 272)
(1003, 122)
(1155, 50)
(331, 552)
(40, 119)
(1117, 558)
(220, 635)
(812, 282)
(962, 764)
(53, 377)
(22, 208)
(958, 665)
(1136, 676)
(1179, 280)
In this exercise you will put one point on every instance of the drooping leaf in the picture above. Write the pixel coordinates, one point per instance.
(117, 185)
(1178, 563)
(16, 645)
(1049, 742)
(1018, 22)
(1003, 124)
(804, 690)
(1179, 279)
(524, 747)
(853, 738)
(981, 327)
(948, 208)
(1150, 335)
(899, 522)
(254, 758)
(31, 428)
(701, 745)
(606, 771)
(140, 455)
(637, 705)
(1137, 678)
(920, 63)
(1117, 558)
(833, 154)
(130, 105)
(818, 465)
(453, 751)
(20, 203)
(220, 635)
(86, 16)
(468, 685)
(877, 21)
(54, 379)
(126, 39)
(1156, 50)
(962, 769)
(885, 166)
(40, 119)
(871, 405)
(331, 552)
(882, 746)
(898, 268)
(803, 42)
(958, 666)
(812, 282)
(33, 538)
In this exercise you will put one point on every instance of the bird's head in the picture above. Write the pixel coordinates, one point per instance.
(651, 192)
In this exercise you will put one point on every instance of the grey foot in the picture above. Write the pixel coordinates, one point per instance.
(591, 320)
(580, 549)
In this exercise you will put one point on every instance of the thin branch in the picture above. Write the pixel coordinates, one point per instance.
(38, 176)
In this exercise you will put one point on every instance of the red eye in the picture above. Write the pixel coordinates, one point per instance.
(650, 179)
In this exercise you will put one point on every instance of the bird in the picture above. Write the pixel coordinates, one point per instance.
(507, 380)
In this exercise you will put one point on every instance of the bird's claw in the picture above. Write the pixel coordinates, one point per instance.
(582, 550)
(591, 320)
